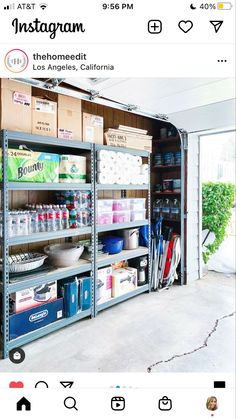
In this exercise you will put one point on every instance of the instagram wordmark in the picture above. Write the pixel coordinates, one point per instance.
(41, 27)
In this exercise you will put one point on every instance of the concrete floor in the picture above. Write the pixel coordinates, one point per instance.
(144, 332)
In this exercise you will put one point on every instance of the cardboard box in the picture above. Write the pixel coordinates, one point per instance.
(104, 284)
(35, 318)
(33, 297)
(123, 280)
(92, 128)
(119, 139)
(15, 106)
(31, 166)
(69, 118)
(44, 117)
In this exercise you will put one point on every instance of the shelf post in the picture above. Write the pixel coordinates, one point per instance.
(5, 246)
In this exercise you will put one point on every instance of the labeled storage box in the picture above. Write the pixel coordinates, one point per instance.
(31, 166)
(68, 289)
(121, 216)
(138, 215)
(118, 139)
(33, 297)
(35, 318)
(15, 106)
(104, 217)
(92, 128)
(104, 284)
(72, 169)
(69, 118)
(123, 280)
(44, 117)
(85, 293)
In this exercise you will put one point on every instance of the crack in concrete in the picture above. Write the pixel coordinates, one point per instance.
(204, 345)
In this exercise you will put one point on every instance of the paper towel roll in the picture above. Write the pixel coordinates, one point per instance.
(144, 169)
(105, 166)
(105, 178)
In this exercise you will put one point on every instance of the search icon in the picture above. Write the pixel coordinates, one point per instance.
(70, 403)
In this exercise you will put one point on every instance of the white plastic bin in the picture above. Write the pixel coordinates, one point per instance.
(121, 217)
(138, 215)
(121, 204)
(137, 204)
(105, 205)
(104, 217)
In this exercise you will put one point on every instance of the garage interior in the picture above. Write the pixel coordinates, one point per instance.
(146, 333)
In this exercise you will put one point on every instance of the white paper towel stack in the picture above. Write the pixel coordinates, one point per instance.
(121, 168)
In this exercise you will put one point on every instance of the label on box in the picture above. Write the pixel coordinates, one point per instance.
(59, 314)
(89, 133)
(96, 121)
(21, 99)
(43, 106)
(65, 134)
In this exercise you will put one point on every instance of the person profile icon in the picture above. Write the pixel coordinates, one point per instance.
(212, 404)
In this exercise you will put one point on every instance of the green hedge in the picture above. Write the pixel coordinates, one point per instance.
(217, 202)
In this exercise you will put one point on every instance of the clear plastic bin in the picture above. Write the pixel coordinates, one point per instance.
(121, 217)
(137, 204)
(138, 215)
(104, 217)
(105, 205)
(121, 204)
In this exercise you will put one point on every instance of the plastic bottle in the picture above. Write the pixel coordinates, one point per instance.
(166, 208)
(157, 208)
(51, 219)
(65, 217)
(175, 210)
(33, 225)
(41, 219)
(58, 217)
(73, 218)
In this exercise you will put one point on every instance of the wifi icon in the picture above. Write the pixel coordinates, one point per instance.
(43, 6)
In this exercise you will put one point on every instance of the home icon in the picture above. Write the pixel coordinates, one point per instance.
(23, 404)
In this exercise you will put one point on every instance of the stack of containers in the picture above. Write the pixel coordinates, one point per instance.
(120, 211)
(121, 168)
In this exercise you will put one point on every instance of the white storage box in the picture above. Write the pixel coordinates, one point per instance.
(104, 284)
(104, 217)
(104, 205)
(138, 215)
(137, 204)
(121, 216)
(121, 204)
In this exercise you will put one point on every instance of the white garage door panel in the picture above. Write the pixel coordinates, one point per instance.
(193, 209)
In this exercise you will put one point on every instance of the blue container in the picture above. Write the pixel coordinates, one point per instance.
(35, 318)
(178, 157)
(69, 291)
(169, 159)
(85, 293)
(112, 244)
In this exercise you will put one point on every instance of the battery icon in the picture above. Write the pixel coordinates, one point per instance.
(224, 6)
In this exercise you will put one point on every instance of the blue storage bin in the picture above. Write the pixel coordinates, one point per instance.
(69, 291)
(85, 293)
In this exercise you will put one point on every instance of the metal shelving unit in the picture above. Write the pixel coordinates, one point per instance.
(10, 284)
(124, 255)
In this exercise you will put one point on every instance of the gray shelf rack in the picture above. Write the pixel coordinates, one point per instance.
(10, 285)
(6, 287)
(126, 255)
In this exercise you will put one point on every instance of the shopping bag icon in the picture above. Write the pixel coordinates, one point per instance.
(165, 403)
(17, 356)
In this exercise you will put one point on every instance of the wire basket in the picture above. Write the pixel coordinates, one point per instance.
(24, 262)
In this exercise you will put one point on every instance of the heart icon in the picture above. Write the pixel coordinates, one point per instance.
(185, 25)
(16, 384)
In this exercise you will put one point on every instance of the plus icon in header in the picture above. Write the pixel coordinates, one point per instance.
(154, 26)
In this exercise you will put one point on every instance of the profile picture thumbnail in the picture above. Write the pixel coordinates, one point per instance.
(211, 403)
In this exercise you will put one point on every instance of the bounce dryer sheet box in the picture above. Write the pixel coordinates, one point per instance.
(44, 117)
(33, 297)
(30, 166)
(15, 106)
(123, 280)
(35, 318)
(72, 169)
(104, 284)
(92, 128)
(69, 118)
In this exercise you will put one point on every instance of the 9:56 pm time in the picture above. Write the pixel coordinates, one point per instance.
(118, 6)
